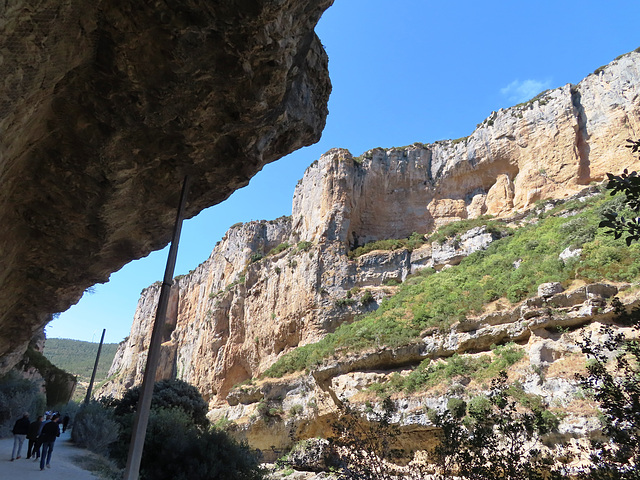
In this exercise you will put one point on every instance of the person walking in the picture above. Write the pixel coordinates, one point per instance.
(50, 432)
(65, 422)
(19, 434)
(32, 436)
(46, 420)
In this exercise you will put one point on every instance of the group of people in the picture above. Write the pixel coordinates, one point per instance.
(41, 433)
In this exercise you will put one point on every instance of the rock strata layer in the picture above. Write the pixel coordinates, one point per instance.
(106, 106)
(308, 403)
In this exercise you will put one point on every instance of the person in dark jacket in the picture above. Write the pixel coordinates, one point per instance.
(50, 432)
(19, 434)
(32, 436)
(65, 422)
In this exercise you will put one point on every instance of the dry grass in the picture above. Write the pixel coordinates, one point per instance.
(568, 366)
(98, 465)
(580, 407)
(499, 305)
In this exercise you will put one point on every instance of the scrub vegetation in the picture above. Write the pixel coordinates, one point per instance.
(510, 270)
(180, 443)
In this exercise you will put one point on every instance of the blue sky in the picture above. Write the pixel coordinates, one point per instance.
(402, 72)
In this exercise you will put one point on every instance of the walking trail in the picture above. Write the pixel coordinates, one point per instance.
(63, 463)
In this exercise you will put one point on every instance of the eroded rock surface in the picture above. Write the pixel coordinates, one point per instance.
(106, 106)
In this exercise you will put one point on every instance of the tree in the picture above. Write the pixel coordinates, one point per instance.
(176, 449)
(180, 444)
(363, 442)
(628, 184)
(166, 394)
(493, 438)
(613, 375)
(613, 371)
(490, 437)
(18, 395)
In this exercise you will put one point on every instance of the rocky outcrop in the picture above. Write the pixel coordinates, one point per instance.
(269, 287)
(105, 107)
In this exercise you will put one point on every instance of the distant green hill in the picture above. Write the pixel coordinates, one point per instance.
(77, 357)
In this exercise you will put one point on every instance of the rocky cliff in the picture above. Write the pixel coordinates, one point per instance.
(271, 286)
(106, 106)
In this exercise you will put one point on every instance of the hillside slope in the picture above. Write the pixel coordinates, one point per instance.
(78, 358)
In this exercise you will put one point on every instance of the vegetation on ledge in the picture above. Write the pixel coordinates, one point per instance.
(510, 269)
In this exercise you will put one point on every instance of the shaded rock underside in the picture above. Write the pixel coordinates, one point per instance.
(106, 106)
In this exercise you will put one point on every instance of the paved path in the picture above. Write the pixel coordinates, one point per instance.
(62, 463)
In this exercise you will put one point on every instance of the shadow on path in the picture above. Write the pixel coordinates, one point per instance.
(62, 462)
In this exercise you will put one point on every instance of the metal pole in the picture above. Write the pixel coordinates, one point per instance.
(132, 470)
(95, 367)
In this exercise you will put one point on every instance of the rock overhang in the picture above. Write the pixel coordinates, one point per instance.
(106, 107)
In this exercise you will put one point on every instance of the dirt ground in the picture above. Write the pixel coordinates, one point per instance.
(63, 465)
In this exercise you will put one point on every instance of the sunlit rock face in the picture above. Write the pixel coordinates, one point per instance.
(106, 106)
(271, 286)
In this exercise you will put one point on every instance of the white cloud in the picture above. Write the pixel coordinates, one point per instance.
(519, 92)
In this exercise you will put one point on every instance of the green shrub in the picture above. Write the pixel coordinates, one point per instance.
(166, 394)
(344, 302)
(179, 444)
(95, 428)
(255, 257)
(303, 246)
(367, 298)
(296, 410)
(175, 449)
(457, 407)
(280, 248)
(479, 406)
(18, 395)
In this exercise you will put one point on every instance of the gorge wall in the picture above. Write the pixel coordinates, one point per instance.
(106, 106)
(271, 286)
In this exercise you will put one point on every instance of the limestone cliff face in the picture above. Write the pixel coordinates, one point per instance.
(271, 286)
(550, 147)
(106, 106)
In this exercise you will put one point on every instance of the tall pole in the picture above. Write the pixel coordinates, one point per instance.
(141, 419)
(95, 368)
